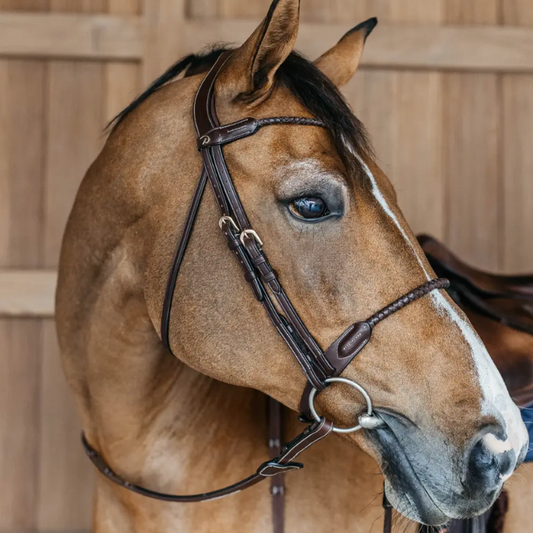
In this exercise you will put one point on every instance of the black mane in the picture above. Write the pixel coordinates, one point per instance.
(306, 82)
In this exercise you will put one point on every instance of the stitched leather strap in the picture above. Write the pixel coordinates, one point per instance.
(274, 467)
(277, 484)
(178, 258)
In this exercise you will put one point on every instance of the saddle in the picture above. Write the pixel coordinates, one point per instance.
(500, 309)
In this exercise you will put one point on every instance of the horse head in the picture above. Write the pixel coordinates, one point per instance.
(331, 226)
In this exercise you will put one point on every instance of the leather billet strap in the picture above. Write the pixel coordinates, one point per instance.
(274, 467)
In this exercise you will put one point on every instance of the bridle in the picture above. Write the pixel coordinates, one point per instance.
(320, 367)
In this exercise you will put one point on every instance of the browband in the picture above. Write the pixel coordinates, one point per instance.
(247, 247)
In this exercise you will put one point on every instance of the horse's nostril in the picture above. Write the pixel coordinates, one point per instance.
(488, 466)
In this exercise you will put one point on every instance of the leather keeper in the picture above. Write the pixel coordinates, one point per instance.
(249, 275)
(269, 277)
(271, 468)
(228, 133)
(233, 243)
(259, 260)
(348, 345)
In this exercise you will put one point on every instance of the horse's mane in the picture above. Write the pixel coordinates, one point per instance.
(305, 81)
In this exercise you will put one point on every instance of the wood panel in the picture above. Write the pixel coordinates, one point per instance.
(70, 35)
(483, 48)
(21, 155)
(165, 36)
(472, 151)
(27, 293)
(22, 111)
(20, 349)
(473, 11)
(75, 122)
(416, 152)
(517, 177)
(65, 476)
(402, 111)
(82, 97)
(489, 48)
(472, 167)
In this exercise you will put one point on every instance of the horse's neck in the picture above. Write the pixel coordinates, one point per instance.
(165, 426)
(197, 434)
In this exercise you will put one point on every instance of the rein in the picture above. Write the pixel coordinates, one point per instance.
(321, 368)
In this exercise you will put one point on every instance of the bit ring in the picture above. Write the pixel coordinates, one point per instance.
(352, 384)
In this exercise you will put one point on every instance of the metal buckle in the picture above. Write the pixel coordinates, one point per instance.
(250, 233)
(367, 420)
(228, 220)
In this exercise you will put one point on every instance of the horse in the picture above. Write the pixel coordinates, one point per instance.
(188, 415)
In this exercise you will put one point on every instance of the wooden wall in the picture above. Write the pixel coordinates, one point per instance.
(446, 91)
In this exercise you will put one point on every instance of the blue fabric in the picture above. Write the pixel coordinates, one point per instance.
(527, 417)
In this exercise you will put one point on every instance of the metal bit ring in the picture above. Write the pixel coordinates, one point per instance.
(353, 384)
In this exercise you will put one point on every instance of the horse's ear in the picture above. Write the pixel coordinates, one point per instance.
(340, 62)
(249, 74)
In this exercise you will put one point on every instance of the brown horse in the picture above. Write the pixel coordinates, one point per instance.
(331, 226)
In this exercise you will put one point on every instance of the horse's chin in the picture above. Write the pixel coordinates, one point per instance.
(418, 506)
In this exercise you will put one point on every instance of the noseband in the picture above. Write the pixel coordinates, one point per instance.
(321, 368)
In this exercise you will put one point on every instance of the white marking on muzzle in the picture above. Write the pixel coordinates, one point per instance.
(496, 399)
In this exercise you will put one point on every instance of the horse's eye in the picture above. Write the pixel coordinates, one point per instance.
(310, 208)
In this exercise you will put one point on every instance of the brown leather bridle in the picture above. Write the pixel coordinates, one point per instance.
(318, 366)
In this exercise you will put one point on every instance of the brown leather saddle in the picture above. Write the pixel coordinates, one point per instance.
(500, 309)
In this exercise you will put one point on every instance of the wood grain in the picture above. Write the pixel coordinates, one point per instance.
(75, 123)
(66, 477)
(517, 186)
(122, 80)
(21, 196)
(165, 36)
(22, 156)
(472, 167)
(517, 175)
(20, 349)
(487, 48)
(477, 48)
(473, 11)
(403, 112)
(27, 293)
(64, 35)
(472, 152)
(416, 150)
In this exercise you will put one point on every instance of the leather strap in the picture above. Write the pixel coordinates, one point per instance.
(277, 483)
(274, 467)
(178, 258)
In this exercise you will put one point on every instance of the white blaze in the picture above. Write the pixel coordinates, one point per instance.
(496, 400)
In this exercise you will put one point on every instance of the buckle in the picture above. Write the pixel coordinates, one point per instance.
(250, 233)
(228, 220)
